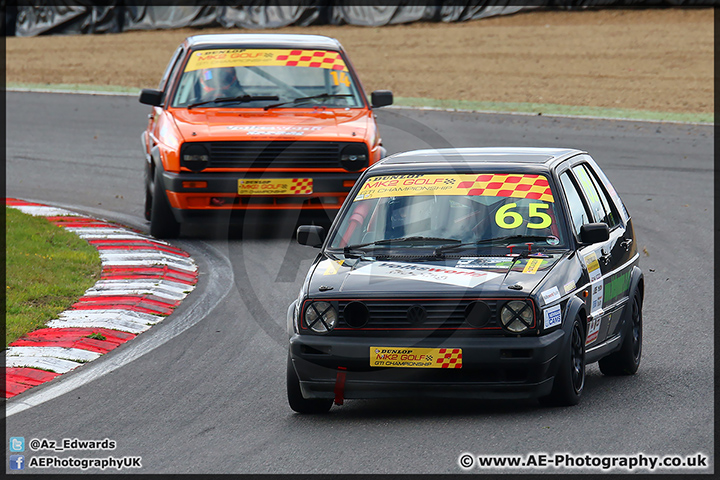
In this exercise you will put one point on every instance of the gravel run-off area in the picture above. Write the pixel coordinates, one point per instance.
(652, 60)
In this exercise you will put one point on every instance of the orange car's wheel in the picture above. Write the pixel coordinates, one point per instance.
(148, 204)
(162, 220)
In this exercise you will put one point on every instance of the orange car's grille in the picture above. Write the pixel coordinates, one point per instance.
(280, 154)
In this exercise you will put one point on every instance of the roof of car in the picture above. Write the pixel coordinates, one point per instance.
(482, 155)
(318, 42)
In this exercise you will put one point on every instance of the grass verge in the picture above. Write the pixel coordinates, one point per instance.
(553, 109)
(65, 87)
(498, 107)
(47, 270)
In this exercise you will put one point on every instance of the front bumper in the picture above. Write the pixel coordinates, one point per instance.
(219, 191)
(492, 368)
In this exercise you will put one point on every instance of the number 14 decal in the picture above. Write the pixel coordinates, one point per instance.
(340, 77)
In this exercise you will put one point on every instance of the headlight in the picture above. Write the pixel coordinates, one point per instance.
(195, 156)
(516, 316)
(354, 157)
(321, 317)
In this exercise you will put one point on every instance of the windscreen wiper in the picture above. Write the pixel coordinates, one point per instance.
(305, 99)
(239, 99)
(532, 238)
(388, 241)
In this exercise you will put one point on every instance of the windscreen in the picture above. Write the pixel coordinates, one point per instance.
(295, 78)
(451, 208)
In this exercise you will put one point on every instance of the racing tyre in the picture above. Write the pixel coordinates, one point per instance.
(627, 360)
(162, 220)
(148, 204)
(570, 377)
(295, 398)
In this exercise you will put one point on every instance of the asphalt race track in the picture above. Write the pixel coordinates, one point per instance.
(204, 392)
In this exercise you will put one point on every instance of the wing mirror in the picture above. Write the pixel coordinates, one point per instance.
(152, 97)
(381, 98)
(594, 233)
(311, 235)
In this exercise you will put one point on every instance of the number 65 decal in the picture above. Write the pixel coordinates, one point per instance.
(516, 219)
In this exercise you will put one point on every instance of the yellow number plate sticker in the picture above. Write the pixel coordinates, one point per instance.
(415, 357)
(275, 186)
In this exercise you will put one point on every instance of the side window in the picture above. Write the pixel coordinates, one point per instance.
(174, 61)
(612, 218)
(577, 208)
(590, 192)
(598, 201)
(612, 194)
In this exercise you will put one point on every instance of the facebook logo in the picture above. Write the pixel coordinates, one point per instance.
(17, 444)
(17, 462)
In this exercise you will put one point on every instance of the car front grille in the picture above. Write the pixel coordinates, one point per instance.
(274, 154)
(420, 314)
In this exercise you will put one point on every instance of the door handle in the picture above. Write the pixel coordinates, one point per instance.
(605, 258)
(626, 244)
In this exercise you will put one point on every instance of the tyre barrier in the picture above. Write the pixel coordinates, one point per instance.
(143, 279)
(63, 19)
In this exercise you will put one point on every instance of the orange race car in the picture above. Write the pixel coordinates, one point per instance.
(256, 122)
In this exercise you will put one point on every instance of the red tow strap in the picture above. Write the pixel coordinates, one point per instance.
(340, 386)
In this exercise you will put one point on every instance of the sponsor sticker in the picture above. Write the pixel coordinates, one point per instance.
(597, 297)
(277, 130)
(275, 186)
(534, 187)
(415, 357)
(552, 316)
(460, 277)
(483, 262)
(593, 330)
(333, 267)
(551, 295)
(596, 289)
(593, 266)
(569, 287)
(532, 265)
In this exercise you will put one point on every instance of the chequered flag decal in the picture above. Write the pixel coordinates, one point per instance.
(519, 186)
(313, 58)
(450, 358)
(301, 185)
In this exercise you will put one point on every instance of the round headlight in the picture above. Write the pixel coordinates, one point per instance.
(516, 316)
(321, 317)
(195, 156)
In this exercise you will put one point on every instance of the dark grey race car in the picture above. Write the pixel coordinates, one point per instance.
(473, 272)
